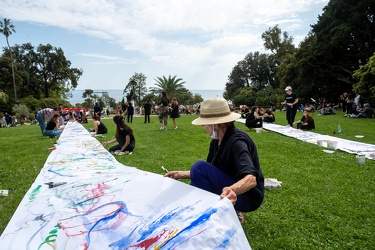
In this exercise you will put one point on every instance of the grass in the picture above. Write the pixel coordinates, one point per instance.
(326, 201)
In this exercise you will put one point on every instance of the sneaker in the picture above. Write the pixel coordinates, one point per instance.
(162, 128)
(241, 216)
(175, 127)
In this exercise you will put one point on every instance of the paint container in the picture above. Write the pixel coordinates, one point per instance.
(259, 130)
(361, 159)
(92, 134)
(320, 143)
(332, 144)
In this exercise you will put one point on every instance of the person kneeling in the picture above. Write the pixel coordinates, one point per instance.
(53, 127)
(124, 137)
(232, 169)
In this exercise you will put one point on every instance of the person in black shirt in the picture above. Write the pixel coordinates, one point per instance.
(124, 137)
(99, 127)
(306, 122)
(232, 168)
(147, 106)
(130, 113)
(291, 101)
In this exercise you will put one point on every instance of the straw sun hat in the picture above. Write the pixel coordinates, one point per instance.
(215, 111)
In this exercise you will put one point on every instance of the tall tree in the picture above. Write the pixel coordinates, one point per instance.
(173, 86)
(345, 40)
(256, 71)
(366, 81)
(6, 28)
(280, 44)
(136, 88)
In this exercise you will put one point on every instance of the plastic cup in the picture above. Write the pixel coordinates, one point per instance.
(361, 159)
(332, 144)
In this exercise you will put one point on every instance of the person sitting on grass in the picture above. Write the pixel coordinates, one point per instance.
(306, 122)
(53, 127)
(99, 127)
(253, 119)
(124, 137)
(270, 118)
(232, 169)
(366, 112)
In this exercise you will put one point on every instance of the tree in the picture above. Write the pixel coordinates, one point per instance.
(256, 71)
(107, 100)
(345, 40)
(136, 88)
(366, 83)
(279, 46)
(6, 28)
(3, 96)
(173, 86)
(43, 71)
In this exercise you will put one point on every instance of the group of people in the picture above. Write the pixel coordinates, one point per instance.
(8, 120)
(166, 108)
(50, 121)
(256, 117)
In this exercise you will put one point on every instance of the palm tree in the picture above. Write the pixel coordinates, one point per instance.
(171, 85)
(6, 28)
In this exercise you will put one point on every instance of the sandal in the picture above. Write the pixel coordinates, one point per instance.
(241, 216)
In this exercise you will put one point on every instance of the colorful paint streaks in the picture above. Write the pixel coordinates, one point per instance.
(106, 205)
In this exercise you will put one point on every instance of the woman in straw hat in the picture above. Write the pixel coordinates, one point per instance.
(232, 169)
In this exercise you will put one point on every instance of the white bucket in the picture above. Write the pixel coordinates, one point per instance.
(259, 130)
(92, 134)
(361, 159)
(332, 144)
(320, 143)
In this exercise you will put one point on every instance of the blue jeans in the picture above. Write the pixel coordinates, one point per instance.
(52, 132)
(41, 122)
(206, 176)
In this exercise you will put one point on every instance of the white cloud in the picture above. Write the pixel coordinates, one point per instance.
(194, 36)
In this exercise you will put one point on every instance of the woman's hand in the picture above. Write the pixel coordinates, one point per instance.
(178, 175)
(230, 194)
(104, 143)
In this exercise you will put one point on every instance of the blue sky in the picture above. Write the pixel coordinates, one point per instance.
(199, 41)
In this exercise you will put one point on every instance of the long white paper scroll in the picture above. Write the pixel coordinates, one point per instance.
(348, 146)
(106, 205)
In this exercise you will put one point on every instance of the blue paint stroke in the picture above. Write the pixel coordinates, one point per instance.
(179, 238)
(144, 233)
(228, 235)
(164, 220)
(104, 220)
(55, 172)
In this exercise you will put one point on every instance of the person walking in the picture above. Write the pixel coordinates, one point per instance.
(130, 113)
(291, 100)
(163, 110)
(175, 111)
(97, 109)
(147, 107)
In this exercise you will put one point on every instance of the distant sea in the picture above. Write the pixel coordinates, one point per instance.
(117, 94)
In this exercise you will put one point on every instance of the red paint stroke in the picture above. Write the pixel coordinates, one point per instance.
(149, 242)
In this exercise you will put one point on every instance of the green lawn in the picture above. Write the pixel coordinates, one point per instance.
(326, 201)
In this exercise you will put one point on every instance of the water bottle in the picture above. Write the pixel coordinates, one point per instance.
(339, 131)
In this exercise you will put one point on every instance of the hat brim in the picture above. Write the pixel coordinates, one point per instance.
(216, 120)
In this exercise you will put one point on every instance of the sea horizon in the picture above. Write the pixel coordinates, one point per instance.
(117, 94)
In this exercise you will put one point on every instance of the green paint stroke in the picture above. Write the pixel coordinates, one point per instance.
(34, 193)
